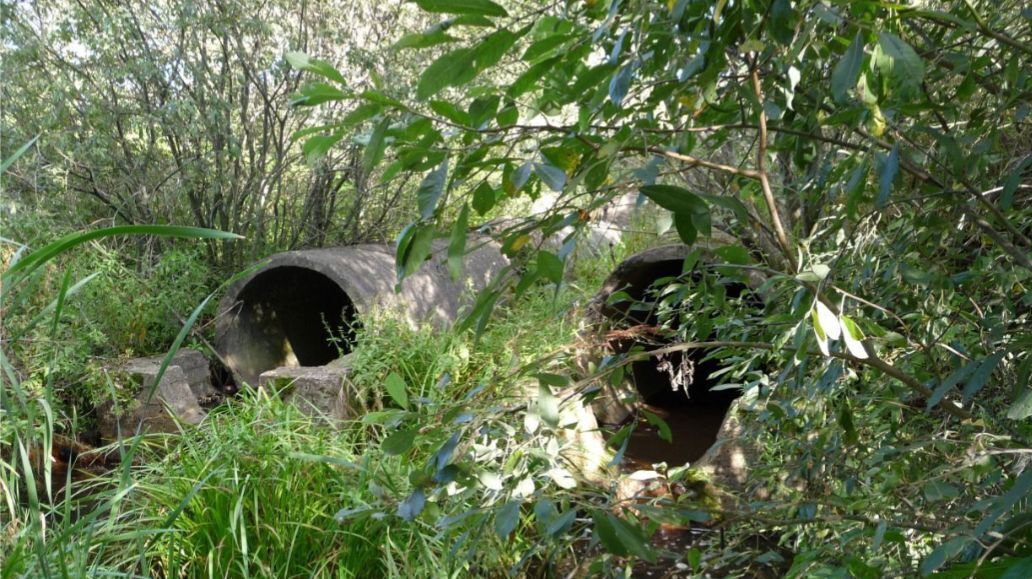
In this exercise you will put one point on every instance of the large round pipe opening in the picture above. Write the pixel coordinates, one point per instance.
(300, 308)
(292, 316)
(676, 386)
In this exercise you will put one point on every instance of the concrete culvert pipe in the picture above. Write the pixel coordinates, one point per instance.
(695, 413)
(300, 308)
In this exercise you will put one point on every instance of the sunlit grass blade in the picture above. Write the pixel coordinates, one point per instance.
(17, 154)
(48, 252)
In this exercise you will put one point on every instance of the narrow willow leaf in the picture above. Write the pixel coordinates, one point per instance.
(847, 71)
(853, 337)
(981, 375)
(457, 244)
(822, 338)
(377, 144)
(664, 429)
(506, 519)
(473, 7)
(1020, 490)
(889, 170)
(301, 61)
(958, 376)
(431, 189)
(1022, 407)
(828, 320)
(620, 84)
(675, 199)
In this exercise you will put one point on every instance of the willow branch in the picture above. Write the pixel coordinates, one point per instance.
(761, 168)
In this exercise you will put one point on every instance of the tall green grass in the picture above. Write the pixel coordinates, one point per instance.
(48, 526)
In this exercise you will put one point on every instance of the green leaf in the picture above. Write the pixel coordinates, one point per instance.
(395, 386)
(1017, 492)
(410, 508)
(958, 376)
(549, 266)
(981, 375)
(506, 519)
(550, 175)
(607, 534)
(889, 170)
(1022, 407)
(431, 189)
(620, 537)
(474, 7)
(483, 198)
(938, 557)
(675, 199)
(317, 93)
(457, 244)
(450, 69)
(412, 249)
(374, 150)
(845, 419)
(897, 61)
(1021, 569)
(301, 61)
(561, 523)
(316, 147)
(847, 71)
(853, 337)
(492, 48)
(399, 442)
(938, 490)
(548, 405)
(430, 37)
(822, 338)
(620, 84)
(685, 228)
(664, 429)
(451, 112)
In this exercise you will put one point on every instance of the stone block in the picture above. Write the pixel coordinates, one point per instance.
(318, 391)
(193, 364)
(173, 397)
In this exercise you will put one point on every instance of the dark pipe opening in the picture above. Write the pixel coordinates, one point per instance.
(294, 316)
(675, 387)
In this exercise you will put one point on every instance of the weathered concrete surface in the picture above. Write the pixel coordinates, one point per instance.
(285, 313)
(318, 391)
(173, 400)
(727, 462)
(194, 365)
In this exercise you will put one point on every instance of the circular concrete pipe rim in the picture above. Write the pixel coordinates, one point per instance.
(303, 258)
(635, 274)
(258, 310)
